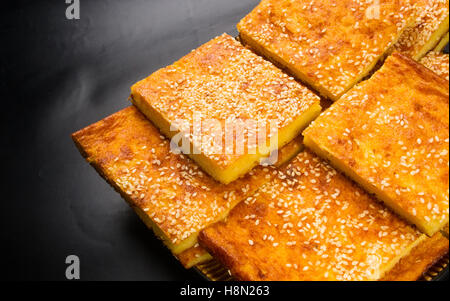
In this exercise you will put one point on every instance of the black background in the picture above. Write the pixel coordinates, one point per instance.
(58, 76)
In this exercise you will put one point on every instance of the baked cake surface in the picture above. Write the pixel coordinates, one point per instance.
(431, 25)
(225, 82)
(390, 134)
(438, 63)
(168, 191)
(330, 44)
(310, 223)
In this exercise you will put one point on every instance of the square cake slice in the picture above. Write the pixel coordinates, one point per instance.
(167, 190)
(329, 44)
(310, 223)
(438, 63)
(431, 26)
(227, 106)
(390, 134)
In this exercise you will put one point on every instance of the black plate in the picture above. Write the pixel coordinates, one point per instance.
(58, 76)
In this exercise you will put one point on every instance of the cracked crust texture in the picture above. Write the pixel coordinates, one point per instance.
(310, 223)
(391, 135)
(329, 44)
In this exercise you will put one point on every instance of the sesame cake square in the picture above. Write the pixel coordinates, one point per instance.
(227, 83)
(329, 44)
(167, 190)
(310, 223)
(431, 25)
(391, 135)
(438, 63)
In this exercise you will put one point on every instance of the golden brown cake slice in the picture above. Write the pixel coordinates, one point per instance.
(420, 260)
(310, 223)
(168, 191)
(390, 134)
(431, 26)
(329, 44)
(220, 85)
(438, 63)
(442, 43)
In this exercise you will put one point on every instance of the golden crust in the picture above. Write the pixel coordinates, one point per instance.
(431, 25)
(168, 191)
(224, 81)
(309, 223)
(420, 260)
(438, 63)
(390, 134)
(330, 44)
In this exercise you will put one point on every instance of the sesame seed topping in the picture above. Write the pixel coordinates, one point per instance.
(220, 84)
(396, 152)
(323, 43)
(170, 188)
(302, 226)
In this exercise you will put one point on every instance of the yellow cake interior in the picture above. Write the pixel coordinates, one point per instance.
(434, 41)
(442, 43)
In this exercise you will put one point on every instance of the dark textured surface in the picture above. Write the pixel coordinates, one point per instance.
(58, 76)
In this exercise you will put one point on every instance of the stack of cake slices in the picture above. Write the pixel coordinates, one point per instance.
(211, 152)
